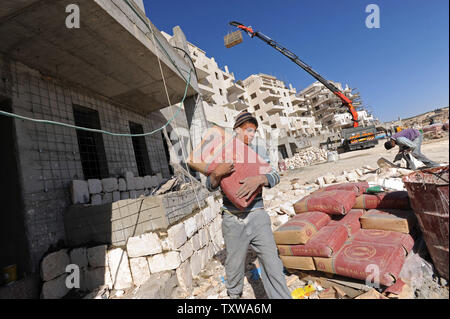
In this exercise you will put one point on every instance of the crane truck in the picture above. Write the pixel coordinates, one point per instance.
(355, 137)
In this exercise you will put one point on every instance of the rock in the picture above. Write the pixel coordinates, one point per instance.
(80, 192)
(144, 245)
(341, 179)
(99, 293)
(162, 262)
(287, 209)
(110, 185)
(443, 282)
(122, 184)
(120, 270)
(320, 181)
(184, 276)
(140, 270)
(177, 235)
(190, 227)
(78, 256)
(195, 242)
(96, 277)
(95, 186)
(329, 179)
(351, 177)
(97, 256)
(54, 265)
(196, 263)
(55, 288)
(186, 251)
(359, 172)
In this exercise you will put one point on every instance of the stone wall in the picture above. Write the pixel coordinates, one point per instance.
(181, 251)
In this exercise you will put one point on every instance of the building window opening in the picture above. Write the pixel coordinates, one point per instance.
(90, 144)
(140, 150)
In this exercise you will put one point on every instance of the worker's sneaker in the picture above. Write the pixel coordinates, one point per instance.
(234, 296)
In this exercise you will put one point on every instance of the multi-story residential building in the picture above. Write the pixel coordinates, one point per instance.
(327, 108)
(279, 111)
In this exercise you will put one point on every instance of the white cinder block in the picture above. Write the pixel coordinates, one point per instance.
(139, 270)
(177, 236)
(120, 270)
(110, 185)
(122, 185)
(144, 245)
(80, 192)
(190, 227)
(95, 186)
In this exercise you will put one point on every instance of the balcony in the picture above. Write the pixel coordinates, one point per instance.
(272, 109)
(269, 96)
(235, 89)
(237, 105)
(296, 100)
(113, 53)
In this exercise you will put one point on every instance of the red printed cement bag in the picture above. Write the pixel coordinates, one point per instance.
(331, 202)
(361, 260)
(350, 221)
(218, 147)
(322, 244)
(300, 228)
(393, 200)
(359, 188)
(384, 237)
(401, 221)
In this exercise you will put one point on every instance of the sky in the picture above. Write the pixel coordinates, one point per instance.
(400, 69)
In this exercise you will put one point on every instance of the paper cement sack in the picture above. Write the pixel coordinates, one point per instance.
(338, 202)
(300, 228)
(298, 262)
(388, 219)
(390, 200)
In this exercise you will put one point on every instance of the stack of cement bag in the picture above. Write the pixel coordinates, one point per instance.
(341, 229)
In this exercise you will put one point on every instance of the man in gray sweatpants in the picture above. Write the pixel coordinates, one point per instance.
(252, 226)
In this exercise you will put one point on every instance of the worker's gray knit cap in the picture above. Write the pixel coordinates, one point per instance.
(244, 117)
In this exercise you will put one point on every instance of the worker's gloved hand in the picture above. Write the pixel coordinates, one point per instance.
(250, 185)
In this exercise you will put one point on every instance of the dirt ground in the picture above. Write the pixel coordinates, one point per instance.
(436, 150)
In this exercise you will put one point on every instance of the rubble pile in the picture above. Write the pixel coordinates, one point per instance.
(306, 157)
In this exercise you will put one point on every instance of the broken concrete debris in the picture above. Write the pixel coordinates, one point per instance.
(306, 157)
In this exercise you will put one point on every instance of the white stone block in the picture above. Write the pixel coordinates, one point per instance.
(186, 251)
(203, 237)
(120, 270)
(320, 181)
(139, 183)
(96, 277)
(107, 198)
(95, 186)
(122, 184)
(196, 263)
(163, 262)
(80, 192)
(96, 199)
(133, 194)
(139, 270)
(97, 256)
(352, 177)
(148, 181)
(124, 195)
(165, 244)
(55, 288)
(341, 179)
(329, 179)
(129, 178)
(190, 226)
(204, 257)
(54, 264)
(110, 185)
(184, 276)
(199, 220)
(195, 242)
(288, 209)
(144, 245)
(116, 196)
(78, 256)
(177, 236)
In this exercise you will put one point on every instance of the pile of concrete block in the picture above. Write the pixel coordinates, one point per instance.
(185, 248)
(306, 157)
(109, 190)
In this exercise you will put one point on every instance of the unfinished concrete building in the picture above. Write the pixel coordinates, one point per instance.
(326, 108)
(279, 111)
(106, 75)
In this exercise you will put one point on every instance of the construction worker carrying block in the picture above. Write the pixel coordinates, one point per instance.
(410, 140)
(251, 226)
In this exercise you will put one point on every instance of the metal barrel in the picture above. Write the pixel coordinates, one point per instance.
(428, 193)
